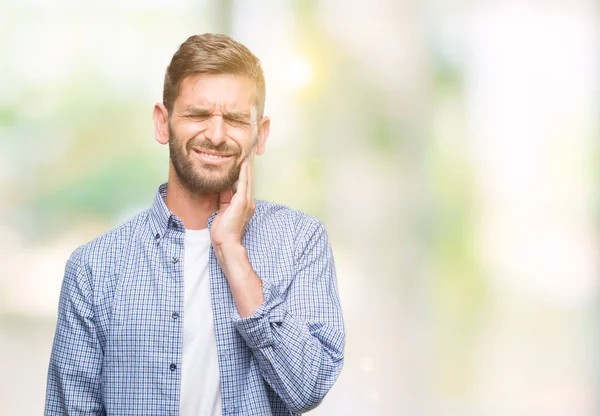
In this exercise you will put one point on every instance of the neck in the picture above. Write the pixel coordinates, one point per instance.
(193, 208)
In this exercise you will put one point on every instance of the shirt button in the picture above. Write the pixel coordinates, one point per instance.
(175, 315)
(157, 236)
(172, 367)
(174, 259)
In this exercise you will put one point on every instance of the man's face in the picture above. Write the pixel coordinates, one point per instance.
(212, 129)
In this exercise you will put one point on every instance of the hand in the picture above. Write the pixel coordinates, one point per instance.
(226, 232)
(235, 209)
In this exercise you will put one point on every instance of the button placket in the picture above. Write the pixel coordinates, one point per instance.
(173, 274)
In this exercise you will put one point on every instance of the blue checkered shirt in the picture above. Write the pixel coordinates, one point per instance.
(118, 343)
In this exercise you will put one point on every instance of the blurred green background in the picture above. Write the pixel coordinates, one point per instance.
(451, 148)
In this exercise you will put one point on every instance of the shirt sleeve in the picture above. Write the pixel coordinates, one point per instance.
(73, 385)
(298, 340)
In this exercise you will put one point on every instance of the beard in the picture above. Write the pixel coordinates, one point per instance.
(213, 180)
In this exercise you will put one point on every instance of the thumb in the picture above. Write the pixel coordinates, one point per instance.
(225, 199)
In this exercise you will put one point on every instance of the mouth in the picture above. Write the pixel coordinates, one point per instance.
(212, 158)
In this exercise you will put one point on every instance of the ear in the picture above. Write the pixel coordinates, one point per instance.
(263, 134)
(160, 115)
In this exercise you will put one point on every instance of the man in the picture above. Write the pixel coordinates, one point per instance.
(209, 302)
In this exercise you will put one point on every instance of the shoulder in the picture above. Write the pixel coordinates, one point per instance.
(272, 214)
(294, 225)
(93, 268)
(102, 250)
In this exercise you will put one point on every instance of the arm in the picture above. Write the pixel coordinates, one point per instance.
(298, 336)
(75, 363)
(299, 341)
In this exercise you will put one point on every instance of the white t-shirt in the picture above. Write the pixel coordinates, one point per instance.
(200, 383)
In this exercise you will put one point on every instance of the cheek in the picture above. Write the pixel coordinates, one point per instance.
(188, 130)
(184, 134)
(242, 138)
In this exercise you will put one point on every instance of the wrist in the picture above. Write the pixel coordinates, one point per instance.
(245, 285)
(233, 259)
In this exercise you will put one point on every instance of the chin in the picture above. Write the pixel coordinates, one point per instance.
(212, 183)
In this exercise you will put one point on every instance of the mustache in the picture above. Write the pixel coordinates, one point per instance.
(206, 145)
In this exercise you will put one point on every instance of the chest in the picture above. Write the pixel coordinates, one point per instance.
(143, 310)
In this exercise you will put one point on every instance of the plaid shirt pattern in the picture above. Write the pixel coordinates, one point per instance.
(118, 343)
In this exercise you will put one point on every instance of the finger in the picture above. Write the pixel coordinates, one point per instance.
(250, 178)
(243, 181)
(225, 199)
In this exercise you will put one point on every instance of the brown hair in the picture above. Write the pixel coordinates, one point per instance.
(212, 54)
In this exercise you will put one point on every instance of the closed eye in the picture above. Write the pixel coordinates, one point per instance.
(198, 117)
(236, 121)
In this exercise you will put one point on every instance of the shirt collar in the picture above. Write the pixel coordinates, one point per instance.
(161, 217)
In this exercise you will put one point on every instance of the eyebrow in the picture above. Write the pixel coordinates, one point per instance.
(236, 115)
(195, 111)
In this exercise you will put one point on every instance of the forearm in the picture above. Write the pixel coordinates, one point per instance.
(73, 384)
(295, 330)
(70, 389)
(245, 285)
(299, 360)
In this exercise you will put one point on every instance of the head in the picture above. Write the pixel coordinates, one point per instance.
(212, 112)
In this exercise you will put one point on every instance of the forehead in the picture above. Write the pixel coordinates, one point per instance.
(218, 91)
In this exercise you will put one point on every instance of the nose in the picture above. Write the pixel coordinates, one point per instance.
(215, 133)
